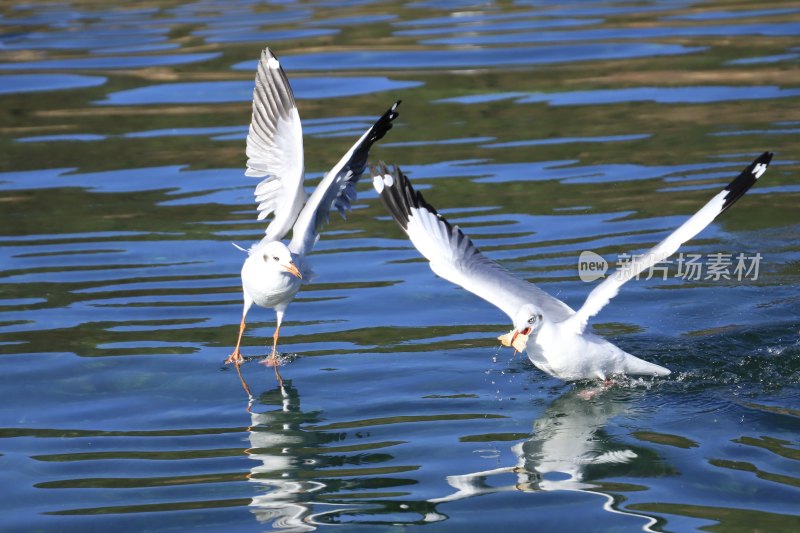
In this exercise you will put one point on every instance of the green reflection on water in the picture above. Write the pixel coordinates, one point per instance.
(319, 448)
(729, 519)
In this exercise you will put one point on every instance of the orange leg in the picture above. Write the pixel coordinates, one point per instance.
(272, 360)
(275, 341)
(236, 357)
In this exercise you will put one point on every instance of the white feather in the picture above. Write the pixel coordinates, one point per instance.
(603, 293)
(275, 148)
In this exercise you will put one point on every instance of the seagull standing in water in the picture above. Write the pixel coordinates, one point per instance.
(273, 271)
(554, 336)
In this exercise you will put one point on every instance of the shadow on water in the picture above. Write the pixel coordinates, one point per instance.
(312, 476)
(282, 451)
(569, 451)
(306, 472)
(306, 477)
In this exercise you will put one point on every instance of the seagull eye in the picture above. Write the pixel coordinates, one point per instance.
(275, 257)
(532, 319)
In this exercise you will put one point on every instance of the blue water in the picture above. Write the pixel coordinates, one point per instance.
(542, 129)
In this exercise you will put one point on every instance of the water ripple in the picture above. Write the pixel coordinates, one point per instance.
(122, 189)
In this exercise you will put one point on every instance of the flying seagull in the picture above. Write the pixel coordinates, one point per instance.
(554, 336)
(273, 271)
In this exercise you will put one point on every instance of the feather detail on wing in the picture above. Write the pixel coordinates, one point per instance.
(275, 148)
(609, 288)
(453, 255)
(338, 188)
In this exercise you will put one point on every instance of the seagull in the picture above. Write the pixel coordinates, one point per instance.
(273, 271)
(554, 336)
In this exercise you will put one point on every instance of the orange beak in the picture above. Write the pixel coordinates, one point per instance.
(292, 269)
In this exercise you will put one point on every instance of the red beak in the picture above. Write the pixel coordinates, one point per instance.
(514, 337)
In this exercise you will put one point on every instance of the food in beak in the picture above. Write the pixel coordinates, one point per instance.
(515, 339)
(292, 269)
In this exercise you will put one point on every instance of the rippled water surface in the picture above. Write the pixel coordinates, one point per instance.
(543, 129)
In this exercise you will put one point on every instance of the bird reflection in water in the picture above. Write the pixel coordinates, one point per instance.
(294, 464)
(565, 452)
(275, 439)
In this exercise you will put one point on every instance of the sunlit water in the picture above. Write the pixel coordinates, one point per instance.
(543, 129)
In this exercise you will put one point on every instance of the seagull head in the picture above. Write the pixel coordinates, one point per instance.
(277, 257)
(527, 320)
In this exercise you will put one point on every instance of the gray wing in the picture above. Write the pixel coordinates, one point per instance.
(452, 254)
(338, 188)
(275, 148)
(603, 293)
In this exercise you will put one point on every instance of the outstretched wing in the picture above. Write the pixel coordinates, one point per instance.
(338, 187)
(275, 148)
(609, 288)
(452, 254)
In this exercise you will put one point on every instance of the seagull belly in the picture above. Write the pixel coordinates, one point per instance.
(572, 357)
(269, 289)
(272, 292)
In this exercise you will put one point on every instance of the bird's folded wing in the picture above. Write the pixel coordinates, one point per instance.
(338, 188)
(452, 254)
(609, 288)
(275, 148)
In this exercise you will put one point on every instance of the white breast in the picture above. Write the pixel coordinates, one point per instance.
(267, 287)
(569, 356)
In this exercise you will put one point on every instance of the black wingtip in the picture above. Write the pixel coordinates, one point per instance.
(384, 123)
(399, 197)
(389, 186)
(746, 179)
